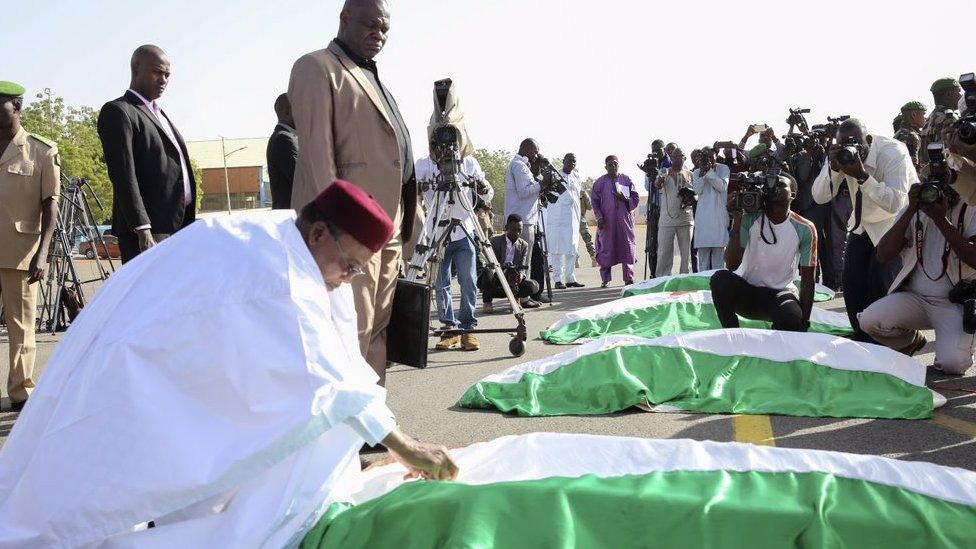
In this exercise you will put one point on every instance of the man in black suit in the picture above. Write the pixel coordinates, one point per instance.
(282, 153)
(154, 189)
(511, 251)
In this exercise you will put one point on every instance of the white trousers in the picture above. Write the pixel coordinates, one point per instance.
(711, 258)
(665, 249)
(893, 320)
(563, 268)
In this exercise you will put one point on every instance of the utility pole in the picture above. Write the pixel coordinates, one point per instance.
(223, 150)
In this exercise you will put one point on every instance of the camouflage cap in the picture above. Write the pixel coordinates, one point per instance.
(913, 106)
(944, 84)
(10, 89)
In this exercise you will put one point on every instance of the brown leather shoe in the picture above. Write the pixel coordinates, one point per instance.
(469, 342)
(448, 342)
(915, 346)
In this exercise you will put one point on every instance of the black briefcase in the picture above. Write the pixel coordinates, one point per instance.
(409, 330)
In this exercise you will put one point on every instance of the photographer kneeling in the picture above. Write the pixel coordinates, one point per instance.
(938, 252)
(512, 251)
(766, 250)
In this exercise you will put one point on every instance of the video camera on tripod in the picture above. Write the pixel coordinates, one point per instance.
(553, 184)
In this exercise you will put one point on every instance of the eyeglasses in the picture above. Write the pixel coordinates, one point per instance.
(351, 269)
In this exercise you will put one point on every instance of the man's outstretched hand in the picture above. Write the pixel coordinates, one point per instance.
(422, 459)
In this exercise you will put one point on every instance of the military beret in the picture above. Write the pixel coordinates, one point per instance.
(913, 106)
(758, 150)
(10, 89)
(355, 212)
(944, 84)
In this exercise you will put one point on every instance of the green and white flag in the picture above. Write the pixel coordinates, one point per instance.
(692, 282)
(652, 315)
(566, 491)
(741, 371)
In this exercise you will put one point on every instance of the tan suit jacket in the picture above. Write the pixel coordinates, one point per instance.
(343, 132)
(29, 175)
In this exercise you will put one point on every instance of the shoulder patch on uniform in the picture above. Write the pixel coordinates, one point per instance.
(44, 140)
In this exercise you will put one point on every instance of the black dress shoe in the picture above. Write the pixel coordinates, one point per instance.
(560, 286)
(530, 304)
(575, 285)
(542, 299)
(604, 285)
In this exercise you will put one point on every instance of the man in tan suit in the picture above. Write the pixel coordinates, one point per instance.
(29, 185)
(349, 127)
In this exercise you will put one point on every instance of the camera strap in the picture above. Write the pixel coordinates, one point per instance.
(920, 239)
(858, 205)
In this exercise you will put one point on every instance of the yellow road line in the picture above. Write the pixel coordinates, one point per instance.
(753, 429)
(954, 424)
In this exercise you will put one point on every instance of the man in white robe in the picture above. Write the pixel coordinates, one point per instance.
(563, 227)
(215, 386)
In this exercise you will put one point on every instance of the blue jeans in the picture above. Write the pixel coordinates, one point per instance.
(461, 254)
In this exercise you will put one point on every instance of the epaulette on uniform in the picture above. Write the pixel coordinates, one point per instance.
(44, 140)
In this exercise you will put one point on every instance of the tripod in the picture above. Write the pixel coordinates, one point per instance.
(64, 287)
(450, 190)
(540, 237)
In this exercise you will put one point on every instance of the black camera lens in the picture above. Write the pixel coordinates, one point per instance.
(929, 193)
(847, 154)
(967, 131)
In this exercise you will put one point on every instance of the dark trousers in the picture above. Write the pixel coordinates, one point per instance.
(129, 245)
(491, 289)
(650, 243)
(866, 280)
(538, 267)
(733, 296)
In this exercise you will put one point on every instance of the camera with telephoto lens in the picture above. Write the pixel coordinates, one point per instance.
(964, 293)
(850, 150)
(967, 125)
(688, 197)
(652, 165)
(796, 117)
(755, 189)
(936, 185)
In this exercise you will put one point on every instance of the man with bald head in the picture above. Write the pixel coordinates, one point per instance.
(349, 127)
(148, 164)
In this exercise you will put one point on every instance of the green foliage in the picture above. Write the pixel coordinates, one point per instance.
(75, 131)
(495, 164)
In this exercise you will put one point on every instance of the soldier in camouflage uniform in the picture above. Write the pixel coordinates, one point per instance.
(908, 124)
(585, 206)
(946, 92)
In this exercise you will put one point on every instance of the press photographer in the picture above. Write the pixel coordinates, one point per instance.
(769, 245)
(522, 190)
(459, 253)
(936, 238)
(711, 184)
(767, 137)
(656, 161)
(513, 252)
(878, 172)
(960, 141)
(676, 215)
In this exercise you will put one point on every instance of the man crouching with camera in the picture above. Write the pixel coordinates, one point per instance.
(768, 245)
(936, 237)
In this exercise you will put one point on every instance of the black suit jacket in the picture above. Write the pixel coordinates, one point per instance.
(144, 166)
(282, 153)
(500, 242)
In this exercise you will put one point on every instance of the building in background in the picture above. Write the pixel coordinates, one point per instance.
(247, 173)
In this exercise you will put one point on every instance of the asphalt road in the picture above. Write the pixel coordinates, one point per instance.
(425, 401)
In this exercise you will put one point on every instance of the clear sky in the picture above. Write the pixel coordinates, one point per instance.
(595, 77)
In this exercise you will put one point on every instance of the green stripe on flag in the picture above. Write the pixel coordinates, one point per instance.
(661, 319)
(717, 509)
(621, 377)
(694, 283)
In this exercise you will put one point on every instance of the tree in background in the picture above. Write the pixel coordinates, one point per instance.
(495, 164)
(75, 130)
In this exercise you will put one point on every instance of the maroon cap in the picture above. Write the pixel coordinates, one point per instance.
(355, 212)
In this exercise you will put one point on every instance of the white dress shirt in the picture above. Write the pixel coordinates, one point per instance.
(163, 120)
(521, 190)
(883, 194)
(427, 172)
